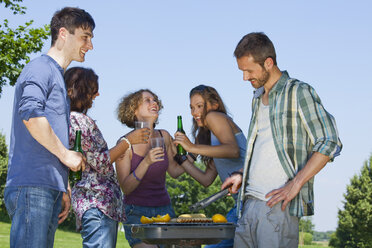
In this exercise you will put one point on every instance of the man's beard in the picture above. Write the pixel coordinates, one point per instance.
(263, 79)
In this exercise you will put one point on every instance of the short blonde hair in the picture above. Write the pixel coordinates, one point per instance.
(130, 103)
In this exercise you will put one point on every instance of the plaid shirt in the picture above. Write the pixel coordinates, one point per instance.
(300, 126)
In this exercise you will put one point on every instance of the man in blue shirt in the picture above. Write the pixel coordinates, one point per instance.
(39, 159)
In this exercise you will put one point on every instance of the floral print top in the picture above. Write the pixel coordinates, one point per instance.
(98, 187)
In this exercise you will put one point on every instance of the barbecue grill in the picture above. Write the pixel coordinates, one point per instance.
(183, 234)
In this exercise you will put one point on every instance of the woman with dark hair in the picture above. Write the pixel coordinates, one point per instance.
(218, 140)
(96, 198)
(142, 170)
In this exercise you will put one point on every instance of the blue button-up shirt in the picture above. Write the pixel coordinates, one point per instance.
(300, 126)
(40, 91)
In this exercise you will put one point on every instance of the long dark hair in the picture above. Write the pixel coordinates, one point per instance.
(202, 135)
(82, 85)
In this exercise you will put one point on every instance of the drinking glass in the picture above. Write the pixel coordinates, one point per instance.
(157, 141)
(141, 124)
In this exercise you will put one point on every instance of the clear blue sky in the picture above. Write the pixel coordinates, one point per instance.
(172, 46)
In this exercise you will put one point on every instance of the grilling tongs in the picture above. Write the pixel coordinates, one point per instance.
(204, 203)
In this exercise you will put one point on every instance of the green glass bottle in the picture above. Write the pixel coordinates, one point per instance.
(180, 150)
(75, 176)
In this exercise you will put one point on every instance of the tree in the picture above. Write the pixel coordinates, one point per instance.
(185, 191)
(306, 225)
(308, 238)
(322, 236)
(355, 221)
(16, 44)
(3, 174)
(306, 228)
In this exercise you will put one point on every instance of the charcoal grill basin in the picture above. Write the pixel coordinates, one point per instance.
(183, 234)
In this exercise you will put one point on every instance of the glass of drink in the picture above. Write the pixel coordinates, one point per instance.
(141, 124)
(157, 141)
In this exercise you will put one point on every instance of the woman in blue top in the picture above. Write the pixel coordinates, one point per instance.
(218, 140)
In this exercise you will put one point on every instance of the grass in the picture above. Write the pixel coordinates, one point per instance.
(66, 239)
(63, 239)
(4, 234)
(316, 244)
(313, 246)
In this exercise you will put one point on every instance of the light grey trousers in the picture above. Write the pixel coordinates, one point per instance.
(263, 227)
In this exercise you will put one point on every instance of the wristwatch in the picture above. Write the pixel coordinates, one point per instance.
(180, 158)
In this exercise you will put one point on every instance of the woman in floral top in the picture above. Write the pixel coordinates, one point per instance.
(96, 198)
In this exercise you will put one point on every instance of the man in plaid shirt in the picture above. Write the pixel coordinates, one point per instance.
(291, 138)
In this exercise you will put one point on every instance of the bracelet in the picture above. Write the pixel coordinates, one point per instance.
(128, 142)
(236, 173)
(134, 174)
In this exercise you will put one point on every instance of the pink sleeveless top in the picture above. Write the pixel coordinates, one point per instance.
(151, 192)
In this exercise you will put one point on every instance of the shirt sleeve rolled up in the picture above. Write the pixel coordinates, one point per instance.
(33, 99)
(320, 125)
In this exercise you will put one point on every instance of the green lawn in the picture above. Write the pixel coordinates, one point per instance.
(4, 235)
(65, 239)
(313, 246)
(316, 244)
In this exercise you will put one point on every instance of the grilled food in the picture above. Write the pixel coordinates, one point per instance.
(193, 218)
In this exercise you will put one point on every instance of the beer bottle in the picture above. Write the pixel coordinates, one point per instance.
(180, 150)
(75, 176)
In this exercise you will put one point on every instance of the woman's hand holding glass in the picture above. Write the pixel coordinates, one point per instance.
(155, 155)
(141, 124)
(157, 145)
(139, 136)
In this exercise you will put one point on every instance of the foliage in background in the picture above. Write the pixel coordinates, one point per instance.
(16, 44)
(185, 191)
(3, 173)
(11, 4)
(355, 221)
(306, 228)
(307, 238)
(322, 236)
(306, 225)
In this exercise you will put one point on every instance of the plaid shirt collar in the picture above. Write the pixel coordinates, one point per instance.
(277, 87)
